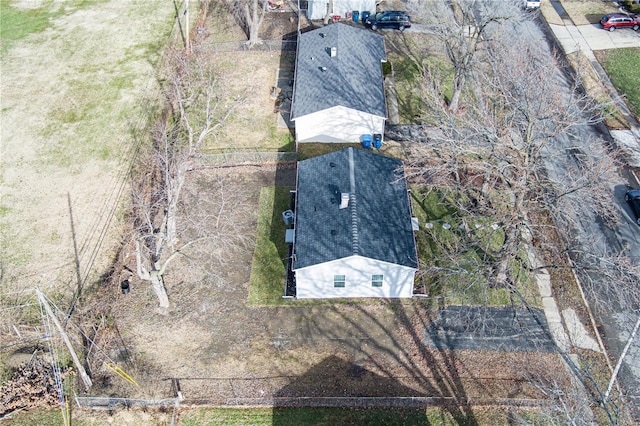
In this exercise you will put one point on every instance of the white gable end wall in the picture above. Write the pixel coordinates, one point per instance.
(337, 124)
(318, 8)
(317, 281)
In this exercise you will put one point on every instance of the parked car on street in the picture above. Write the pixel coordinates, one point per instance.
(633, 198)
(389, 19)
(620, 20)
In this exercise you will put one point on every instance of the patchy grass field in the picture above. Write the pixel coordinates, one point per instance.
(337, 416)
(78, 80)
(623, 68)
(408, 54)
(253, 125)
(278, 416)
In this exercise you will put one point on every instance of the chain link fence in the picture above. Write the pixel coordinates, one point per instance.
(242, 45)
(111, 403)
(247, 157)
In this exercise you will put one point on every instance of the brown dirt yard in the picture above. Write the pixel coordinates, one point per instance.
(226, 352)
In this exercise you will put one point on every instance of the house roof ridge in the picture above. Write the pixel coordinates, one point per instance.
(376, 224)
(353, 204)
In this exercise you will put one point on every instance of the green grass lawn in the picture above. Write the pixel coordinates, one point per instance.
(623, 67)
(408, 55)
(335, 417)
(455, 258)
(436, 416)
(268, 268)
(17, 23)
(306, 416)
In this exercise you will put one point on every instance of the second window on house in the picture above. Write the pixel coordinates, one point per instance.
(376, 280)
(338, 280)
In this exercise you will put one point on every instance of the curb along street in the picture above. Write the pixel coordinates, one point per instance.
(570, 38)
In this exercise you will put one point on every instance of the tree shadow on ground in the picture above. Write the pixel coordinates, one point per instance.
(338, 383)
(394, 366)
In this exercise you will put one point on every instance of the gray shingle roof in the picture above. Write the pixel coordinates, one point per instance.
(352, 78)
(377, 222)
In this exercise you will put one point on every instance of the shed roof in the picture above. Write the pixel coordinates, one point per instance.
(352, 78)
(377, 222)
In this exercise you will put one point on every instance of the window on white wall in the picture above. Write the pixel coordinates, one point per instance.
(338, 280)
(376, 280)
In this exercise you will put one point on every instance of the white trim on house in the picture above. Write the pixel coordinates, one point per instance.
(317, 281)
(337, 124)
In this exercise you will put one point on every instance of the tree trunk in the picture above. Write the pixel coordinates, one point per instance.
(458, 84)
(157, 283)
(254, 19)
(154, 277)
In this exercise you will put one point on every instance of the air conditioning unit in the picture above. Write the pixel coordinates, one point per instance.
(287, 217)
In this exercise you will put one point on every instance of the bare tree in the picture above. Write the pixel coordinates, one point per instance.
(250, 14)
(497, 150)
(462, 26)
(568, 402)
(197, 105)
(513, 152)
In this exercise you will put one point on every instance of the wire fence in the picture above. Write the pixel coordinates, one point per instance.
(287, 45)
(111, 403)
(248, 157)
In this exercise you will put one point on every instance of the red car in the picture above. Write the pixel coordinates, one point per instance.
(620, 20)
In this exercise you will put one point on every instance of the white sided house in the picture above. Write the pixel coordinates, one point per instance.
(338, 93)
(318, 9)
(353, 232)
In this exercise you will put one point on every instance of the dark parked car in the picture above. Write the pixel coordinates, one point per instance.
(633, 198)
(620, 20)
(389, 19)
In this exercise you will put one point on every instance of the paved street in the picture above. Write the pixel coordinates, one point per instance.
(593, 235)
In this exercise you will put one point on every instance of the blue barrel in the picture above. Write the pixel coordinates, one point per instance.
(377, 140)
(355, 15)
(365, 15)
(366, 141)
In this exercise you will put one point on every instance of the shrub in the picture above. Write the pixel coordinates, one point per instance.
(386, 68)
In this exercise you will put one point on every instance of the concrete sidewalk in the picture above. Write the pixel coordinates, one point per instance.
(589, 38)
(585, 39)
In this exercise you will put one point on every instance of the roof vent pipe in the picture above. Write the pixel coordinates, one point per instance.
(344, 200)
(334, 52)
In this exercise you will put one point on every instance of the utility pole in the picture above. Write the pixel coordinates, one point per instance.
(83, 374)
